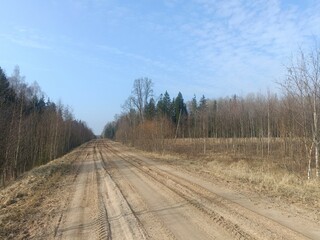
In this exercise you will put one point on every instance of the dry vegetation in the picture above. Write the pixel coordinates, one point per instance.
(237, 165)
(102, 185)
(264, 142)
(34, 200)
(272, 132)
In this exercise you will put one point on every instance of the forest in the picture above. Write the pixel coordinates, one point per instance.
(282, 127)
(33, 130)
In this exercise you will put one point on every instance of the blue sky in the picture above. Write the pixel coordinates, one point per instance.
(87, 53)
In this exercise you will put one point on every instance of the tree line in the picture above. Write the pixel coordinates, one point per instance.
(289, 120)
(228, 117)
(33, 130)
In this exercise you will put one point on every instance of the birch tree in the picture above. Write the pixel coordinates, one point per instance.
(141, 93)
(303, 84)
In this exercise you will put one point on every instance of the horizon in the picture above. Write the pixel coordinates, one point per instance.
(88, 53)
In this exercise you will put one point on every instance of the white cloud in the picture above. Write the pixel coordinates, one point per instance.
(244, 44)
(26, 38)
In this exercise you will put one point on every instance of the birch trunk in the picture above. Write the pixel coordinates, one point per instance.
(15, 170)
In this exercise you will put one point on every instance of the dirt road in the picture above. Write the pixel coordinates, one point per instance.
(116, 193)
(120, 195)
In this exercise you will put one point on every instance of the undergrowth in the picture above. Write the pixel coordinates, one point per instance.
(265, 175)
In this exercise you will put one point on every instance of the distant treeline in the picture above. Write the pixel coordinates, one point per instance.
(293, 117)
(253, 116)
(33, 130)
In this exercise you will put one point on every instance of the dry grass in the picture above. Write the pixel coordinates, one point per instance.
(28, 203)
(271, 175)
(269, 181)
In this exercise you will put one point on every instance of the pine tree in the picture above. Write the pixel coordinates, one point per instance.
(7, 94)
(180, 109)
(164, 106)
(150, 110)
(203, 104)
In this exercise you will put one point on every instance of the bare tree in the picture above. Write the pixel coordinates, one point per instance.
(303, 84)
(141, 93)
(33, 131)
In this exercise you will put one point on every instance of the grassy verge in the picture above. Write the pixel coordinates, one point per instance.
(29, 203)
(266, 176)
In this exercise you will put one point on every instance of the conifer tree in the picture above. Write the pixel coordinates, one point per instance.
(150, 110)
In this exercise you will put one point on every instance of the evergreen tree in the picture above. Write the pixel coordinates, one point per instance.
(194, 106)
(7, 94)
(203, 104)
(159, 108)
(164, 105)
(167, 104)
(32, 132)
(180, 109)
(110, 130)
(150, 110)
(4, 83)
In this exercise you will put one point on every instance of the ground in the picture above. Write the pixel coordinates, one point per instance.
(104, 190)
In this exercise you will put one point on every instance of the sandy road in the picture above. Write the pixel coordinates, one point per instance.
(118, 194)
(98, 209)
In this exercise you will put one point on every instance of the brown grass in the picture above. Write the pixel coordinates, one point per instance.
(240, 164)
(27, 203)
